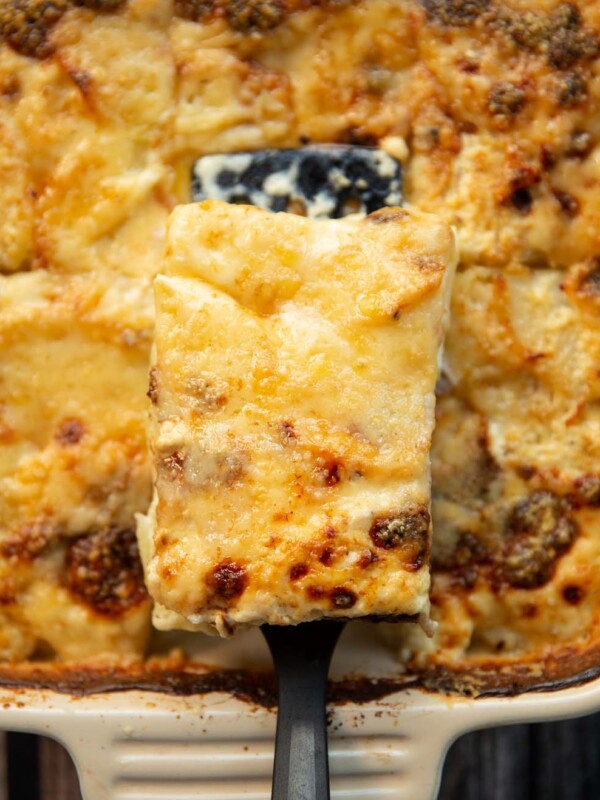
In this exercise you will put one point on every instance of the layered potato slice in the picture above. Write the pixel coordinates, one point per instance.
(73, 463)
(516, 507)
(292, 415)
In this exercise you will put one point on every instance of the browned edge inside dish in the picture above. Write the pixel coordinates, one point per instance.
(565, 670)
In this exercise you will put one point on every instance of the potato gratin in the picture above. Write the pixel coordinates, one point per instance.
(293, 407)
(492, 107)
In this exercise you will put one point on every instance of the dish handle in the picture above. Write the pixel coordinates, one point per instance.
(377, 751)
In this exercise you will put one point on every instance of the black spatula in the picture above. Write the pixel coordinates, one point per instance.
(321, 182)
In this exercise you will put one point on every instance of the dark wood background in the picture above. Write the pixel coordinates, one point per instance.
(557, 761)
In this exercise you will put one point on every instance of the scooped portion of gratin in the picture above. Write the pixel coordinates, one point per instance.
(292, 413)
(73, 464)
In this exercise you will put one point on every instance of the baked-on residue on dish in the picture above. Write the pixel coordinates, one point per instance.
(292, 410)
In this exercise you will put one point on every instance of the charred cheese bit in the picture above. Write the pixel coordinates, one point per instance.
(292, 415)
(516, 508)
(73, 463)
(72, 598)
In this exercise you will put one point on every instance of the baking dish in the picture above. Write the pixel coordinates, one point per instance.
(162, 741)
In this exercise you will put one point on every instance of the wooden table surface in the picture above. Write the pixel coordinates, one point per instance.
(557, 761)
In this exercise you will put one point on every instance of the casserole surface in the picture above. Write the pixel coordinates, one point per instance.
(491, 107)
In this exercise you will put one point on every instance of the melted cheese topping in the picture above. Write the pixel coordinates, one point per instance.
(111, 109)
(73, 464)
(515, 508)
(293, 391)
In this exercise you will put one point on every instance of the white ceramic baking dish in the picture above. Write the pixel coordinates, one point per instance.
(146, 745)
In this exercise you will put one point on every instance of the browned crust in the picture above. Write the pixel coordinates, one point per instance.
(104, 570)
(26, 25)
(250, 16)
(562, 670)
(252, 686)
(192, 679)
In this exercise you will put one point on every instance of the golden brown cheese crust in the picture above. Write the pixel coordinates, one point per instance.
(128, 94)
(73, 463)
(505, 147)
(73, 374)
(72, 597)
(280, 498)
(515, 507)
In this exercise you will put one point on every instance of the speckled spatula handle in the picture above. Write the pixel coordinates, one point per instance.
(320, 181)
